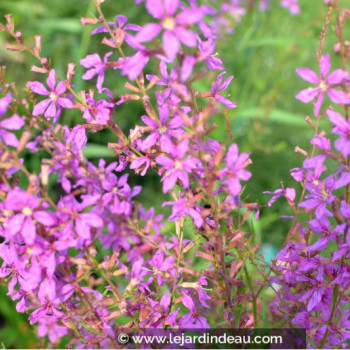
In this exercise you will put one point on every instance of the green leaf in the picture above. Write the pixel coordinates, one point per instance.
(97, 151)
(68, 25)
(274, 115)
(272, 41)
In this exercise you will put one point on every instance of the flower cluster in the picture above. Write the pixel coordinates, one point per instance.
(312, 269)
(79, 252)
(85, 258)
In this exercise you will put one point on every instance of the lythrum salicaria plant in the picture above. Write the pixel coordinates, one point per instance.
(93, 260)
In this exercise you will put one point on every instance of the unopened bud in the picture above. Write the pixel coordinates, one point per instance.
(11, 47)
(44, 62)
(37, 44)
(112, 260)
(40, 70)
(130, 87)
(152, 83)
(70, 72)
(85, 21)
(25, 137)
(310, 122)
(108, 43)
(19, 37)
(131, 97)
(44, 174)
(9, 20)
(297, 149)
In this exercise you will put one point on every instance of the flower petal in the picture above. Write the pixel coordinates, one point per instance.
(171, 45)
(38, 88)
(308, 75)
(148, 32)
(325, 65)
(307, 95)
(338, 96)
(13, 123)
(337, 77)
(186, 36)
(41, 107)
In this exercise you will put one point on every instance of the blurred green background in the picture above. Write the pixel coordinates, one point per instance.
(262, 54)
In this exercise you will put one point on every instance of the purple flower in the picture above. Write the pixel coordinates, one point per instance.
(48, 326)
(120, 30)
(97, 111)
(219, 86)
(97, 67)
(320, 194)
(162, 266)
(184, 207)
(161, 130)
(207, 49)
(170, 80)
(153, 221)
(342, 128)
(264, 4)
(289, 193)
(321, 226)
(318, 298)
(234, 9)
(16, 268)
(133, 65)
(324, 83)
(119, 194)
(83, 222)
(77, 137)
(52, 106)
(175, 27)
(141, 162)
(322, 143)
(235, 171)
(4, 103)
(176, 168)
(13, 123)
(192, 319)
(22, 222)
(292, 5)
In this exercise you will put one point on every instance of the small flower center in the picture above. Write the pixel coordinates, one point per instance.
(162, 129)
(323, 85)
(27, 211)
(53, 96)
(169, 23)
(178, 164)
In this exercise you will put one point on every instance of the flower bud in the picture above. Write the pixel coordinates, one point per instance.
(9, 20)
(297, 149)
(37, 44)
(85, 21)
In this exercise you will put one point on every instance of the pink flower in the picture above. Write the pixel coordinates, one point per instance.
(220, 86)
(52, 106)
(292, 5)
(97, 67)
(325, 84)
(175, 27)
(13, 123)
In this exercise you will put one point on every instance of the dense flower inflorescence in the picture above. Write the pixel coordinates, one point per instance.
(84, 257)
(312, 271)
(51, 243)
